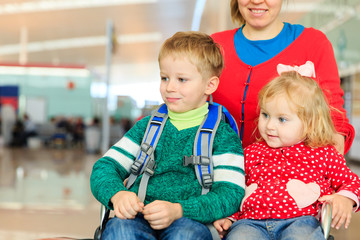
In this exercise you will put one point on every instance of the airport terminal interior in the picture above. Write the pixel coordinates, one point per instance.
(66, 66)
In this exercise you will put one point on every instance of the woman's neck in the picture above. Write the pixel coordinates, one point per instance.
(264, 33)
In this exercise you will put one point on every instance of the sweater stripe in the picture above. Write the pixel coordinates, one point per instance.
(123, 152)
(122, 159)
(128, 145)
(226, 175)
(236, 169)
(229, 159)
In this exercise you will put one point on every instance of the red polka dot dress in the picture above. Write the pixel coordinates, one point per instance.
(286, 182)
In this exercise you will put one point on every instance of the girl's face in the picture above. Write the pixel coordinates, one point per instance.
(261, 14)
(279, 124)
(182, 86)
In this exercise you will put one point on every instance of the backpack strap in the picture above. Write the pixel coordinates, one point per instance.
(226, 116)
(145, 162)
(202, 150)
(202, 158)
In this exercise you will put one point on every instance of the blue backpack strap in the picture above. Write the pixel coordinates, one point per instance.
(228, 118)
(145, 161)
(202, 151)
(202, 158)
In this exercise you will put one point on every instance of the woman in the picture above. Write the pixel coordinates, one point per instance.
(252, 53)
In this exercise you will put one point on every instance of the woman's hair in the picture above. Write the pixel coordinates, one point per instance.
(199, 48)
(310, 106)
(235, 12)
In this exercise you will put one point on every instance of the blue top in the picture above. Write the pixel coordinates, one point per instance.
(259, 51)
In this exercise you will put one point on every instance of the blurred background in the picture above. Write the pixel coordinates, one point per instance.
(76, 74)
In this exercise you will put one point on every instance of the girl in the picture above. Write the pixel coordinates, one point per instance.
(293, 168)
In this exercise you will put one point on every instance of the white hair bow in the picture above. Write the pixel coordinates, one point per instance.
(306, 70)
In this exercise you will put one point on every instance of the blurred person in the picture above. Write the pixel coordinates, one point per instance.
(8, 116)
(78, 132)
(116, 130)
(126, 124)
(93, 136)
(47, 131)
(18, 134)
(29, 127)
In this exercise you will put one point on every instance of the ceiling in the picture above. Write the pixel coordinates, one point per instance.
(73, 32)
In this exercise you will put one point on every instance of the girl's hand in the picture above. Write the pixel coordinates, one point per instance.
(160, 214)
(126, 205)
(342, 208)
(222, 225)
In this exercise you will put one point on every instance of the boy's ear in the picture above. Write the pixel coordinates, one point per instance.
(212, 85)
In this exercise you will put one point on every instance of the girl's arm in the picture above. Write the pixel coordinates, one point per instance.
(346, 185)
(342, 207)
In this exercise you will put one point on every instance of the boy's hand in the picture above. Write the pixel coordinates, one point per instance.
(222, 225)
(126, 204)
(160, 214)
(342, 208)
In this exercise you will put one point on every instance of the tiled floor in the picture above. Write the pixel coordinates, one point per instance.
(45, 193)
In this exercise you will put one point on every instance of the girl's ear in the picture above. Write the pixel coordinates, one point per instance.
(212, 85)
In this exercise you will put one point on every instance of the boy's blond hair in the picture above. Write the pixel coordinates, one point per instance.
(310, 106)
(199, 48)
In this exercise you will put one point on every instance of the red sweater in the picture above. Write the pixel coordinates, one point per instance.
(312, 45)
(286, 182)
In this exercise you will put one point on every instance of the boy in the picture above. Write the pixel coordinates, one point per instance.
(174, 207)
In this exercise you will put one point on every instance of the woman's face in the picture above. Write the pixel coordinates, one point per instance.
(260, 14)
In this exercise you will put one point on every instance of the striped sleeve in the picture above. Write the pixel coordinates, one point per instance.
(229, 167)
(110, 170)
(123, 152)
(126, 149)
(228, 157)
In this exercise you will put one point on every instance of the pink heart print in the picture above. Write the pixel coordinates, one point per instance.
(248, 191)
(303, 194)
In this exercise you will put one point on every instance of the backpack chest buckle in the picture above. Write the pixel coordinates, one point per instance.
(196, 160)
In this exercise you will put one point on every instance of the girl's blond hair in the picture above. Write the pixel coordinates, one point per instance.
(310, 105)
(199, 48)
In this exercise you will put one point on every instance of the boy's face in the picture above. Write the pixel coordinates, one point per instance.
(278, 124)
(182, 86)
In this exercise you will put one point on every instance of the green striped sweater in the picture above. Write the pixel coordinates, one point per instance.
(172, 181)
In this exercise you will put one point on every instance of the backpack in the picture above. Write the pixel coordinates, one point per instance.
(202, 150)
